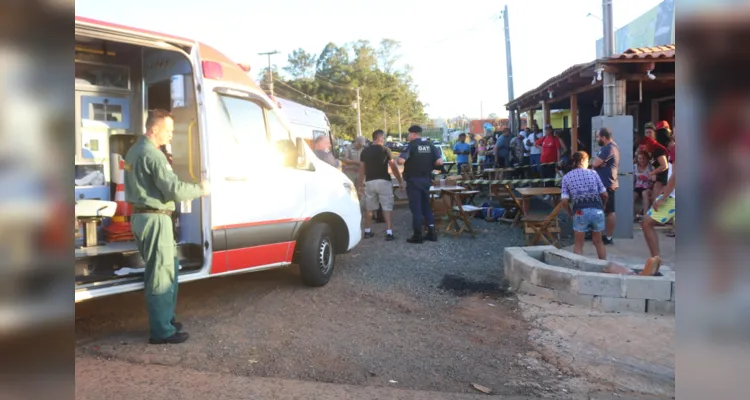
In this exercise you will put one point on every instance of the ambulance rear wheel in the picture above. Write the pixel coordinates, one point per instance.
(316, 257)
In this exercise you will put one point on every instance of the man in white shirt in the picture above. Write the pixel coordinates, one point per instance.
(535, 153)
(525, 160)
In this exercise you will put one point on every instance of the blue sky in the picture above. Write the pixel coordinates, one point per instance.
(456, 49)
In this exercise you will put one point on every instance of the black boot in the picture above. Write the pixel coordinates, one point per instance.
(416, 238)
(177, 325)
(178, 337)
(431, 234)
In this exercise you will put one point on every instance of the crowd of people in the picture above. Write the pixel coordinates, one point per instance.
(544, 152)
(589, 197)
(589, 183)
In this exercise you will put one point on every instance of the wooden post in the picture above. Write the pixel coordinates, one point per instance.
(573, 123)
(530, 122)
(620, 107)
(547, 115)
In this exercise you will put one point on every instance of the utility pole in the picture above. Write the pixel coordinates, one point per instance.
(385, 121)
(609, 49)
(359, 115)
(399, 124)
(509, 68)
(270, 71)
(481, 109)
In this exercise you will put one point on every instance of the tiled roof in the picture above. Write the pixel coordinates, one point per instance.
(646, 53)
(640, 53)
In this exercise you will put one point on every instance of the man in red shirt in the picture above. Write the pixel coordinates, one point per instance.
(552, 149)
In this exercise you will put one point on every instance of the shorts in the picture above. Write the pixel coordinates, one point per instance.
(662, 177)
(379, 192)
(666, 211)
(481, 159)
(588, 219)
(639, 191)
(609, 208)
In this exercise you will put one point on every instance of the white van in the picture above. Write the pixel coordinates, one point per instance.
(306, 122)
(272, 203)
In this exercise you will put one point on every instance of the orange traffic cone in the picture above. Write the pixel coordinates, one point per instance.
(119, 229)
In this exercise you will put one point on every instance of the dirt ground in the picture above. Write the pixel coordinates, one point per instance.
(427, 321)
(627, 353)
(364, 328)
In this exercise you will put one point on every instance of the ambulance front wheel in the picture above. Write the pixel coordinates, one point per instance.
(316, 257)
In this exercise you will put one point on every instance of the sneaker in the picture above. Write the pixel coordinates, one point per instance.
(178, 337)
(369, 235)
(607, 240)
(389, 237)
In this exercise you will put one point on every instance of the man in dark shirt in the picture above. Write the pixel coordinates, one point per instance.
(606, 164)
(419, 159)
(502, 149)
(375, 181)
(323, 150)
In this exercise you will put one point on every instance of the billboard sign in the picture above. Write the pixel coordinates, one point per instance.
(653, 28)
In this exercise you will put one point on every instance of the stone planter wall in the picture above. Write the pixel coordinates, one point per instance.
(576, 280)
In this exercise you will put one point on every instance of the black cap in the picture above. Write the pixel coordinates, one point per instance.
(415, 129)
(548, 126)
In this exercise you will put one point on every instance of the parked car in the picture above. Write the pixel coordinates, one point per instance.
(395, 146)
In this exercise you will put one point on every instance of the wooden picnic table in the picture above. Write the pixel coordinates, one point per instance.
(452, 188)
(448, 165)
(541, 228)
(539, 191)
(496, 174)
(528, 192)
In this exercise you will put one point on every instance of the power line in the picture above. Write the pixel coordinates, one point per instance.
(455, 35)
(316, 77)
(307, 96)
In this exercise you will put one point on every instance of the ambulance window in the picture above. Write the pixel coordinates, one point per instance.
(107, 112)
(276, 130)
(110, 76)
(244, 128)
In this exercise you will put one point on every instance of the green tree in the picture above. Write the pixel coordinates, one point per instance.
(338, 71)
(388, 54)
(301, 64)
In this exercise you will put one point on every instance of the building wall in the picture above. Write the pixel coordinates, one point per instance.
(557, 118)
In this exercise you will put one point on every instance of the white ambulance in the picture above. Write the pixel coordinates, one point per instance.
(272, 204)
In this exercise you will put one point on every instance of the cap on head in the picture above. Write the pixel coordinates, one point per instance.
(548, 126)
(662, 125)
(649, 125)
(415, 129)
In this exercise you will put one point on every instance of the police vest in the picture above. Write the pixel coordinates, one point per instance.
(420, 159)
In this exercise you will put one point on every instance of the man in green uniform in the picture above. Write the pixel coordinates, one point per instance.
(152, 188)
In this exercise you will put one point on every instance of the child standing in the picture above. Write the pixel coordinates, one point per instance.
(482, 152)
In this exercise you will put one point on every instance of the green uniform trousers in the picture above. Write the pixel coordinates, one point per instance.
(155, 239)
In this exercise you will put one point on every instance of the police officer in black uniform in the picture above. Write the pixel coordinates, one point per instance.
(420, 158)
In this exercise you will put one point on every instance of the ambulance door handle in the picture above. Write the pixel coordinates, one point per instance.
(235, 178)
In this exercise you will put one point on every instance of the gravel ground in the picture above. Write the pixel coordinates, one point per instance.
(387, 318)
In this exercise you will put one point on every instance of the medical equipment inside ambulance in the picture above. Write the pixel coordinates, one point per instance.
(115, 86)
